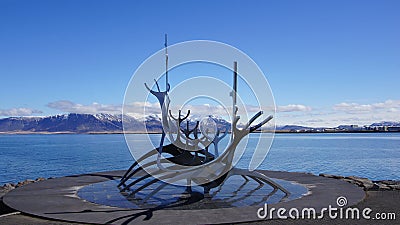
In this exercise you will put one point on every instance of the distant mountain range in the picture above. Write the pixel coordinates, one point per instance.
(107, 123)
(74, 123)
(85, 123)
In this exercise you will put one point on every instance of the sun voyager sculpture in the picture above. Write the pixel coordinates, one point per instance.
(183, 155)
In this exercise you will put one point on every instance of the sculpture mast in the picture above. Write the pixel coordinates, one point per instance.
(234, 95)
(234, 85)
(166, 62)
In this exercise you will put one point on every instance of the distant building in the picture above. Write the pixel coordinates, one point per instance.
(382, 128)
(329, 130)
(368, 128)
(349, 128)
(393, 129)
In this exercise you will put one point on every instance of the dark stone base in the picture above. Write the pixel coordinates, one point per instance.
(58, 199)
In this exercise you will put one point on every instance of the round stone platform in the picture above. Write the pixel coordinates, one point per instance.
(80, 198)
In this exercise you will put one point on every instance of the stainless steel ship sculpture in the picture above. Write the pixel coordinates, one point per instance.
(187, 157)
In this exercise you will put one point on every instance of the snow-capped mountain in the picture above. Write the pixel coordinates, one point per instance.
(86, 123)
(385, 123)
(77, 123)
(82, 123)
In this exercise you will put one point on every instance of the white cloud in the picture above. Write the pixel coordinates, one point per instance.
(314, 121)
(342, 113)
(136, 109)
(19, 112)
(345, 113)
(293, 108)
(354, 108)
(71, 107)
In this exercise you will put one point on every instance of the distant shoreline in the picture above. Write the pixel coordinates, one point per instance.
(119, 132)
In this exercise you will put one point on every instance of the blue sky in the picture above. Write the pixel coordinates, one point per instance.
(328, 62)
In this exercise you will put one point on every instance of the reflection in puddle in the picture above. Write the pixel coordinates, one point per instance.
(235, 192)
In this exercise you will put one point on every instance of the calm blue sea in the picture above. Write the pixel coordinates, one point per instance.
(372, 155)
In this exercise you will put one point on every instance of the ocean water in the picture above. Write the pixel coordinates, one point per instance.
(372, 155)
